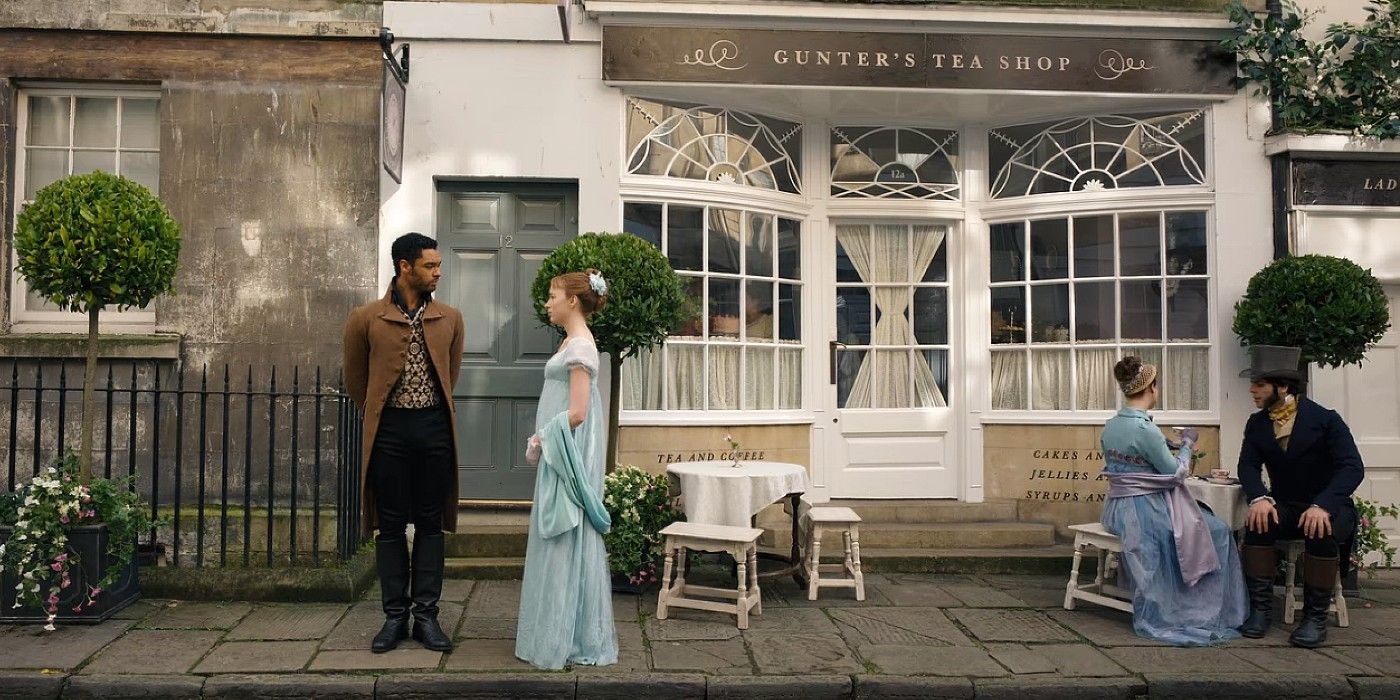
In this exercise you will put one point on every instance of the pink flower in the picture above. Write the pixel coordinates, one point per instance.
(56, 566)
(63, 519)
(61, 557)
(95, 590)
(67, 478)
(1365, 521)
(53, 598)
(66, 583)
(78, 608)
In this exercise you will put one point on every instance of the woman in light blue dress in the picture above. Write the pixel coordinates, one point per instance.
(566, 613)
(1180, 562)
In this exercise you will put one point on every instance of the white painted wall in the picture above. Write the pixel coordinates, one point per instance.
(495, 93)
(1331, 12)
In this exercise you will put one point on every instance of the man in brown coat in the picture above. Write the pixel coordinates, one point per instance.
(402, 356)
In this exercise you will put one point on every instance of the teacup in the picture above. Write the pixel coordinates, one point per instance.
(1220, 474)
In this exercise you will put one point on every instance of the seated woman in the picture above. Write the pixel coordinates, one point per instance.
(1181, 563)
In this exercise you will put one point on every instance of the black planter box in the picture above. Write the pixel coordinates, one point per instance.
(89, 544)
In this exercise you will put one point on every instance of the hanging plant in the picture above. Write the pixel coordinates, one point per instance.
(1349, 81)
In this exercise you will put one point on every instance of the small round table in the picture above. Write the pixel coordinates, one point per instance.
(721, 493)
(1226, 501)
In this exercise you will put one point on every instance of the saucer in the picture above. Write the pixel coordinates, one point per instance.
(1229, 481)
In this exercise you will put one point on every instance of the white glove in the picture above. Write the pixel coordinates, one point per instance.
(1189, 436)
(532, 449)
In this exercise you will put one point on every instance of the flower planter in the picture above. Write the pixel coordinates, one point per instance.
(89, 544)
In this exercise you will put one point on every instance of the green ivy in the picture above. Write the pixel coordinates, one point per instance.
(1348, 81)
(1330, 307)
(1370, 537)
(97, 241)
(640, 505)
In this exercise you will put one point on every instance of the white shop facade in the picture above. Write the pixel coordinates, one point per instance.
(918, 238)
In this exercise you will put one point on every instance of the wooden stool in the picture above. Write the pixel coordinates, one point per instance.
(820, 519)
(738, 542)
(1109, 547)
(1292, 549)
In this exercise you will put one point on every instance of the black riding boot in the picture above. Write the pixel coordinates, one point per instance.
(1260, 567)
(391, 558)
(1319, 579)
(427, 589)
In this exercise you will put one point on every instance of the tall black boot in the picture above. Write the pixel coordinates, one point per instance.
(1260, 567)
(427, 589)
(391, 558)
(1319, 578)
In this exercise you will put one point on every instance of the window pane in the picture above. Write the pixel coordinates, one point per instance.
(1186, 243)
(1185, 379)
(1142, 310)
(789, 249)
(1149, 354)
(1050, 313)
(1050, 249)
(643, 221)
(758, 260)
(1187, 317)
(924, 240)
(48, 121)
(724, 240)
(1094, 382)
(1093, 246)
(931, 316)
(140, 124)
(845, 269)
(685, 377)
(1140, 244)
(685, 242)
(641, 381)
(694, 325)
(938, 269)
(1008, 314)
(42, 168)
(890, 379)
(790, 379)
(758, 310)
(724, 377)
(935, 365)
(143, 168)
(1050, 379)
(1009, 380)
(759, 367)
(724, 308)
(848, 363)
(853, 315)
(1008, 252)
(1094, 310)
(789, 312)
(95, 124)
(88, 161)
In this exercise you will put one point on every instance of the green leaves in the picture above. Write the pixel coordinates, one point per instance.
(97, 241)
(1330, 307)
(645, 296)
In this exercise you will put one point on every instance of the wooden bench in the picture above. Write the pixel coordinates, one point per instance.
(821, 518)
(741, 543)
(1109, 547)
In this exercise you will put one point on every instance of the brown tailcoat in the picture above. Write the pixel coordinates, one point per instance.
(376, 345)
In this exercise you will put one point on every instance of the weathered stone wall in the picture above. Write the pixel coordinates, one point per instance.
(303, 17)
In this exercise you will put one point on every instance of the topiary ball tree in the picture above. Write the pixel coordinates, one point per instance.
(1330, 307)
(645, 301)
(92, 242)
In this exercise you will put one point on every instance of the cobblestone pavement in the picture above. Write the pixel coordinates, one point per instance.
(916, 635)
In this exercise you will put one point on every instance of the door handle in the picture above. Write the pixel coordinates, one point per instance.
(831, 355)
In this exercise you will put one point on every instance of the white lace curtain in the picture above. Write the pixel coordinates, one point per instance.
(880, 254)
(683, 378)
(1183, 378)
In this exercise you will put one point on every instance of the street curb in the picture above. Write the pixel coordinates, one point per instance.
(912, 687)
(107, 686)
(31, 685)
(779, 687)
(670, 686)
(1376, 688)
(1248, 687)
(411, 686)
(1063, 689)
(272, 687)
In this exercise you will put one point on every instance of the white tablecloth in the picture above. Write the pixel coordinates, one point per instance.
(722, 494)
(1225, 500)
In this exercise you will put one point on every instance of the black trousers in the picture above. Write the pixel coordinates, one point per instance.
(1343, 528)
(409, 469)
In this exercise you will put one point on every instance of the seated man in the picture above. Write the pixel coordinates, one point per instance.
(1314, 467)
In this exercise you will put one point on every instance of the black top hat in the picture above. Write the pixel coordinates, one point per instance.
(1273, 362)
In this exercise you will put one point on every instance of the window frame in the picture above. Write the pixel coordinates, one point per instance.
(23, 319)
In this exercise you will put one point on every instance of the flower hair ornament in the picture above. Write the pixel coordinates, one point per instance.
(597, 283)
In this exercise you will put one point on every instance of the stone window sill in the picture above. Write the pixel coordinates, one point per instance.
(109, 346)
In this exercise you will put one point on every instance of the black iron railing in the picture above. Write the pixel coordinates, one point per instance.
(240, 468)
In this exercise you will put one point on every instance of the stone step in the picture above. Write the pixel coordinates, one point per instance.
(928, 511)
(487, 541)
(1052, 560)
(989, 535)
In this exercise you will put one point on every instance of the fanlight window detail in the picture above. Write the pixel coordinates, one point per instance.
(1089, 154)
(894, 163)
(713, 144)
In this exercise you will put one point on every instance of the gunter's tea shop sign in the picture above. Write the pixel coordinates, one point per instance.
(908, 60)
(1366, 183)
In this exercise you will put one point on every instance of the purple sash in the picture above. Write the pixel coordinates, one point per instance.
(1195, 551)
